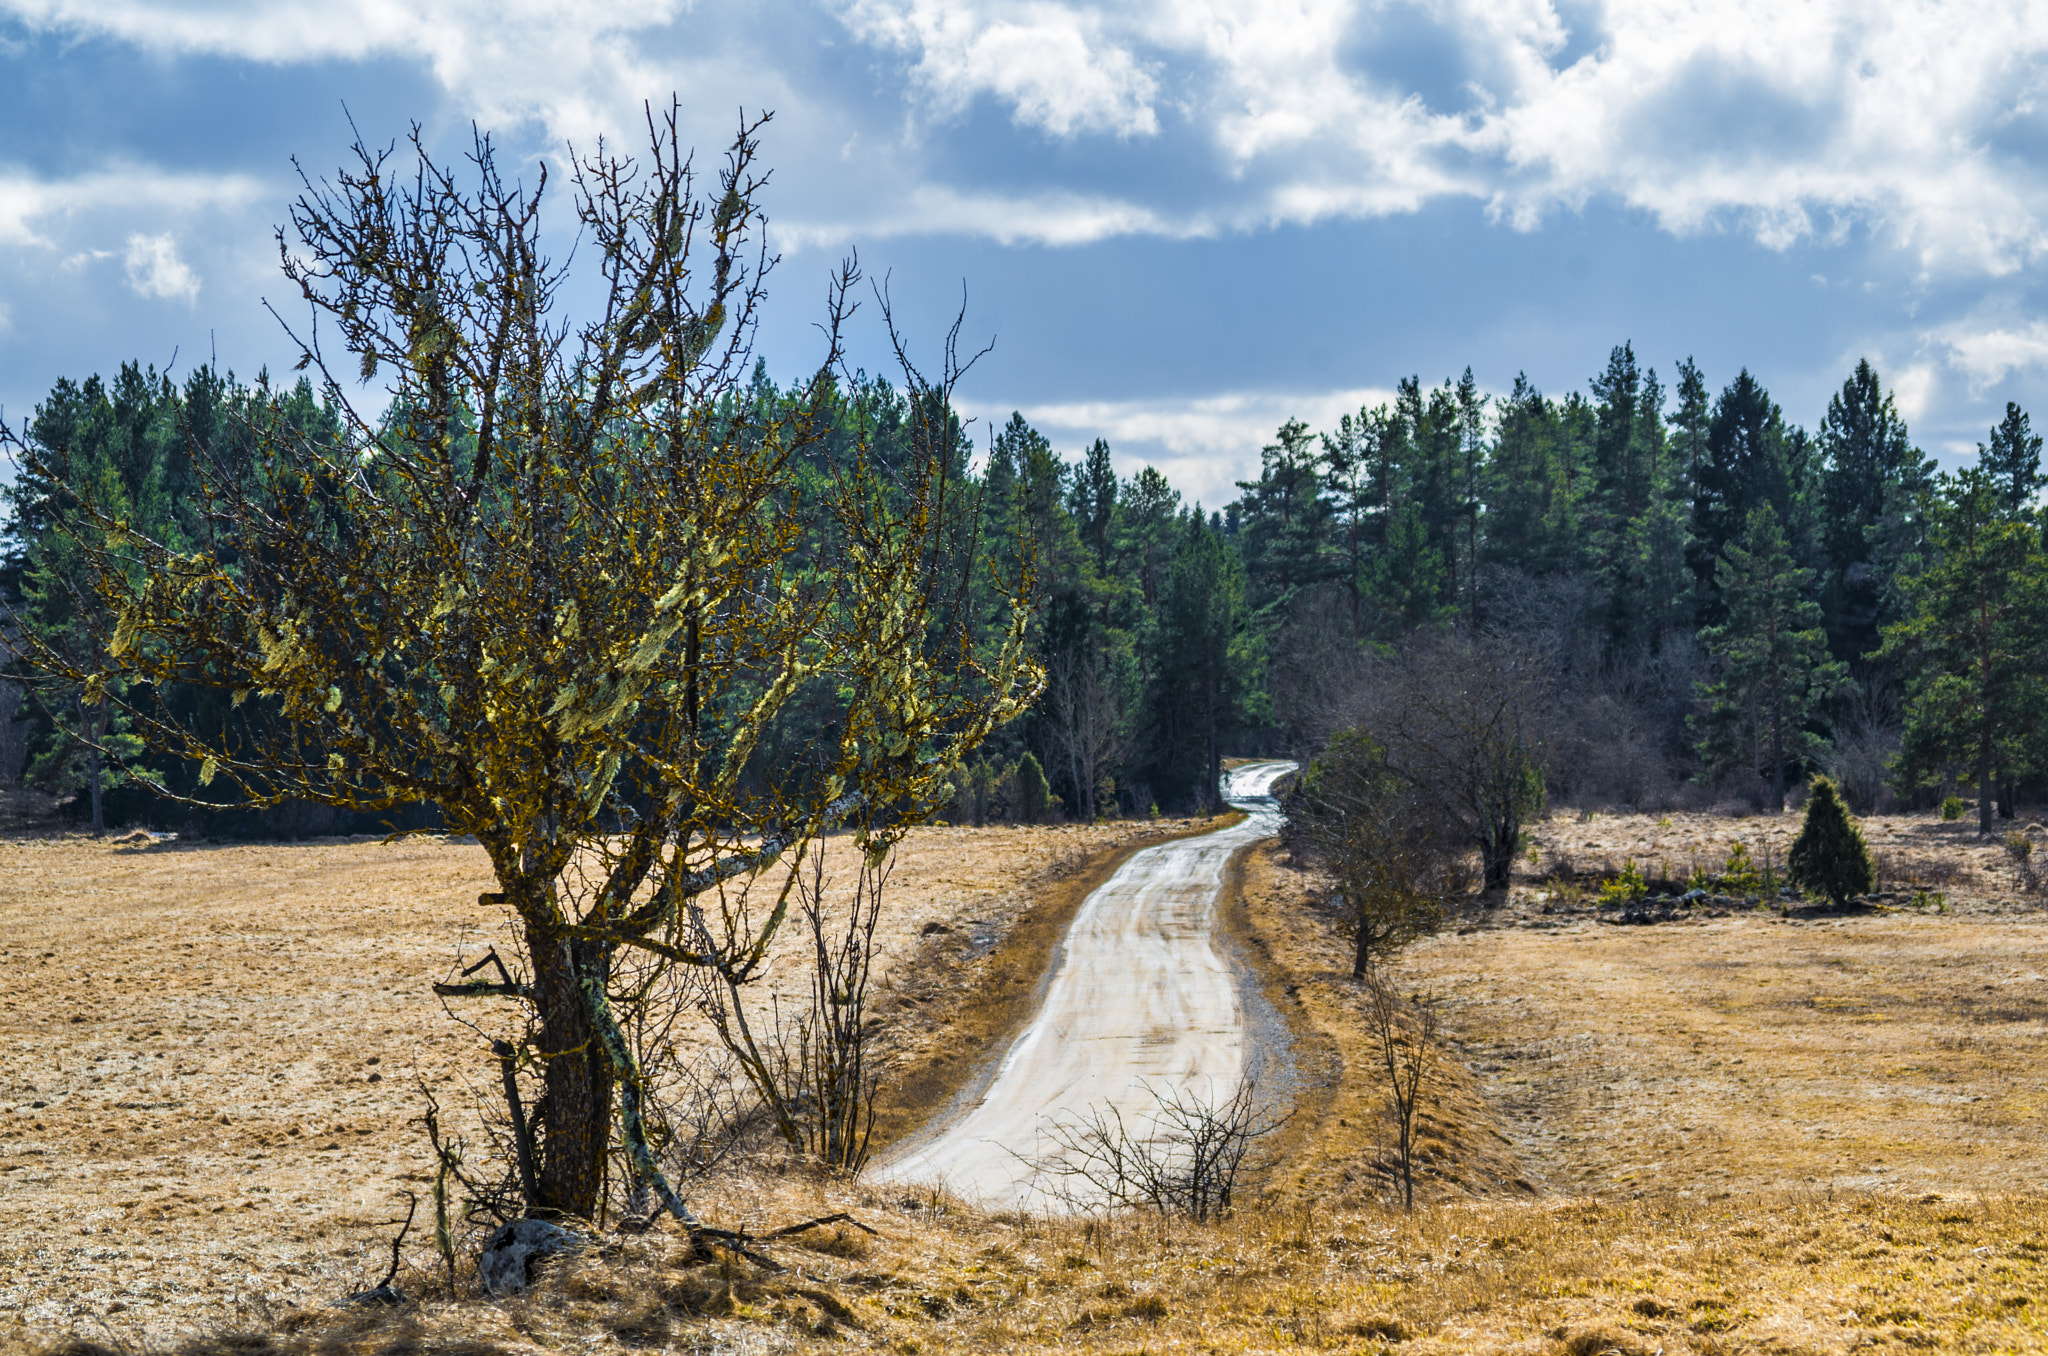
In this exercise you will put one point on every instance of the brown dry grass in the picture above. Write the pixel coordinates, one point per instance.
(1748, 1135)
(1783, 1273)
(1910, 851)
(210, 1055)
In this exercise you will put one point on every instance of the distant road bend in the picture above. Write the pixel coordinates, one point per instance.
(1141, 1001)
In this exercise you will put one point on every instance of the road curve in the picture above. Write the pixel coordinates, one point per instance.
(1141, 1000)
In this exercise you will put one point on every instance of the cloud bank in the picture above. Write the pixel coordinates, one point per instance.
(1922, 123)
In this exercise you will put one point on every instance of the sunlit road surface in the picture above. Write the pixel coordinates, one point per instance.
(1142, 1002)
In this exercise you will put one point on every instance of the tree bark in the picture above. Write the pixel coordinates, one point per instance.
(1985, 806)
(576, 1110)
(1497, 858)
(1778, 753)
(93, 764)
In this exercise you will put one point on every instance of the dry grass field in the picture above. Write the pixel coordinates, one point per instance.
(1740, 1131)
(211, 1056)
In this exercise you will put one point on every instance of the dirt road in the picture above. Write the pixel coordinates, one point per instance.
(1140, 1002)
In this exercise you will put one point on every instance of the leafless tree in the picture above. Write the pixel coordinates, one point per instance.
(1467, 720)
(1089, 722)
(1405, 1033)
(1397, 859)
(564, 578)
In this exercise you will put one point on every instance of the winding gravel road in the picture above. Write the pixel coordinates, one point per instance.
(1141, 1000)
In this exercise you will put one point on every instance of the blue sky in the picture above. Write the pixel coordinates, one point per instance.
(1181, 222)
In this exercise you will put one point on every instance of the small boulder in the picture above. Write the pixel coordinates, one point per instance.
(508, 1257)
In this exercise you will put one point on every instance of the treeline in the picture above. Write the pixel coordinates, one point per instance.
(1722, 599)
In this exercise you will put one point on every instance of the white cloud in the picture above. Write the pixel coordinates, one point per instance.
(579, 68)
(1204, 444)
(29, 204)
(1914, 389)
(1988, 354)
(1056, 66)
(1055, 218)
(1920, 121)
(155, 270)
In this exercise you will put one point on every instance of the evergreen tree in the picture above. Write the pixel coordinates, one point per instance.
(1869, 470)
(1772, 656)
(2013, 461)
(1095, 501)
(1689, 422)
(1751, 459)
(1829, 856)
(1034, 797)
(1151, 509)
(1284, 518)
(1975, 642)
(116, 450)
(1429, 452)
(1354, 477)
(1630, 495)
(1207, 670)
(1470, 474)
(1535, 485)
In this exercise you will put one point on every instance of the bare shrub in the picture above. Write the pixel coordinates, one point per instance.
(2019, 850)
(1863, 738)
(810, 1067)
(1405, 1033)
(1186, 1162)
(1468, 721)
(1940, 872)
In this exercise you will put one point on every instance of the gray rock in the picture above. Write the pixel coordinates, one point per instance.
(508, 1257)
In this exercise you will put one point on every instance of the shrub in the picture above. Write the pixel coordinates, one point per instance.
(2020, 848)
(1830, 857)
(1625, 888)
(1740, 874)
(1034, 797)
(1952, 808)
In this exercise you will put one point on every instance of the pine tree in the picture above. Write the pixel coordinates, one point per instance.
(1284, 517)
(2013, 460)
(1869, 467)
(1975, 642)
(1207, 664)
(1151, 509)
(1095, 490)
(1829, 856)
(1772, 656)
(1751, 459)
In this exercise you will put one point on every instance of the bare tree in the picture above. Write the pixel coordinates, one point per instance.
(1467, 720)
(1089, 722)
(1397, 859)
(1864, 738)
(1405, 1033)
(564, 585)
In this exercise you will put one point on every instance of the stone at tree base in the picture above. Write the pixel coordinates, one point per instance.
(506, 1263)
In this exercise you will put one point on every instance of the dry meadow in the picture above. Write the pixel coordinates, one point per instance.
(1742, 1129)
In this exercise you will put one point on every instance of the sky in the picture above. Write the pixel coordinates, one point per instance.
(1179, 223)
